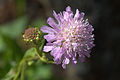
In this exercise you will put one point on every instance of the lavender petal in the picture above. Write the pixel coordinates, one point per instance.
(50, 37)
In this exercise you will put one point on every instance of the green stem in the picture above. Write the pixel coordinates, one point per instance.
(22, 64)
(43, 57)
(23, 70)
(17, 74)
(18, 71)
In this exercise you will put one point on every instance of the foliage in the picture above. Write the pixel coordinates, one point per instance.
(11, 53)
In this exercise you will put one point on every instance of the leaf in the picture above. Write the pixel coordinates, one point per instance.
(30, 53)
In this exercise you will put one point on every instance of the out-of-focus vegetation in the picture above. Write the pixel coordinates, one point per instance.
(12, 51)
(12, 47)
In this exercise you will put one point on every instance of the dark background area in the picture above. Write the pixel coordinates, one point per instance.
(104, 15)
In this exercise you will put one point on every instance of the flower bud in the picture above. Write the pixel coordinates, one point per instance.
(31, 34)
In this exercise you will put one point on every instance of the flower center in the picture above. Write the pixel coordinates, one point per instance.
(68, 37)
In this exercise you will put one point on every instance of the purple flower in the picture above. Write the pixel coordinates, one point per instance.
(68, 39)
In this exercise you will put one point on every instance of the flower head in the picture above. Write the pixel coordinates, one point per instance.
(70, 38)
(31, 34)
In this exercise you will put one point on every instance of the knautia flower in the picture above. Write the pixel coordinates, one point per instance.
(31, 34)
(68, 39)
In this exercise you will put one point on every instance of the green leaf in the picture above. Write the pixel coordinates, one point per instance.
(30, 53)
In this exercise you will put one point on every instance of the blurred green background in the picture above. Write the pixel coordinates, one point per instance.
(14, 19)
(16, 15)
